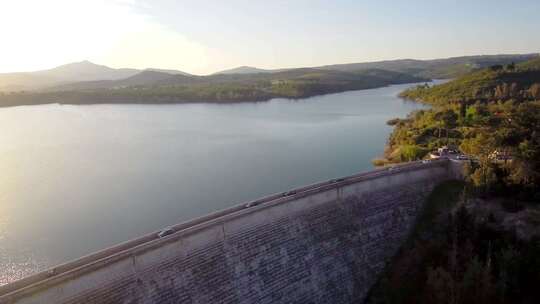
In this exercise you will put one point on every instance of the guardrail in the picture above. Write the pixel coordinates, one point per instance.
(106, 256)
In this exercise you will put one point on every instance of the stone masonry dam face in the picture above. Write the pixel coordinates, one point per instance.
(324, 243)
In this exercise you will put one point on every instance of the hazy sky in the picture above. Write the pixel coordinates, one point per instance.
(205, 36)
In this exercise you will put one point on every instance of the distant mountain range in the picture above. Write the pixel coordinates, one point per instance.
(85, 82)
(87, 75)
(68, 73)
(435, 68)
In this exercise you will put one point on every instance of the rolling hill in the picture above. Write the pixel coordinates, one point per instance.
(244, 70)
(437, 68)
(147, 77)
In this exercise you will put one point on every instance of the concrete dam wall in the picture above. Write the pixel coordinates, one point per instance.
(324, 243)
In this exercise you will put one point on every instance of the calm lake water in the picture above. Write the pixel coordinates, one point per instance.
(75, 179)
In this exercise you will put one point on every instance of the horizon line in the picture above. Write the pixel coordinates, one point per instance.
(269, 69)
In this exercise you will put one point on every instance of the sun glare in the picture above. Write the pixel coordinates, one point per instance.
(44, 34)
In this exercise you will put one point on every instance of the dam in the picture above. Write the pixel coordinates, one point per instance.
(323, 243)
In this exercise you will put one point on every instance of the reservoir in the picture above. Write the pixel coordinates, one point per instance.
(76, 179)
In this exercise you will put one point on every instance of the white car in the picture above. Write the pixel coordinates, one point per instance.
(165, 232)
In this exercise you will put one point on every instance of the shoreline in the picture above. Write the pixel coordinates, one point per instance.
(94, 98)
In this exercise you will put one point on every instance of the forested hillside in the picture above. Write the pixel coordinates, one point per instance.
(478, 241)
(503, 120)
(497, 83)
(436, 68)
(156, 87)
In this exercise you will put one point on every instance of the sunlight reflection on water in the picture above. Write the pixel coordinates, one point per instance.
(15, 263)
